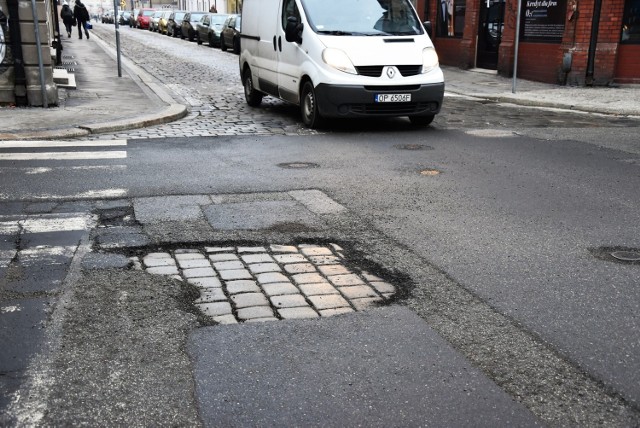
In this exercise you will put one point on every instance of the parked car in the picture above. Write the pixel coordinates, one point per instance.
(164, 21)
(119, 18)
(133, 17)
(144, 18)
(230, 37)
(107, 17)
(124, 18)
(189, 23)
(153, 22)
(209, 28)
(174, 25)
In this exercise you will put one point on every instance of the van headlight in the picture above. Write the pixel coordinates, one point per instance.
(339, 60)
(429, 59)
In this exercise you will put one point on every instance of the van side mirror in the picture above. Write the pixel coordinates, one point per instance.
(293, 30)
(429, 27)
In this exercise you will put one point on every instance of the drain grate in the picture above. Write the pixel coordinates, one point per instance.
(627, 256)
(298, 165)
(623, 255)
(412, 147)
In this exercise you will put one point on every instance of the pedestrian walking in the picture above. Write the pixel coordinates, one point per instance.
(67, 17)
(82, 16)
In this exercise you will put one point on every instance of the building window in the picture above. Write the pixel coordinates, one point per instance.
(631, 22)
(451, 18)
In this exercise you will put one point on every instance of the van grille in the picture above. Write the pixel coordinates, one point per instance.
(370, 70)
(394, 108)
(376, 70)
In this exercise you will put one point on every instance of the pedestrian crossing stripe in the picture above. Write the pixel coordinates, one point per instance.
(44, 143)
(90, 194)
(61, 155)
(116, 154)
(47, 223)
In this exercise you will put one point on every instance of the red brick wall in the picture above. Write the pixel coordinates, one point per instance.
(541, 62)
(628, 64)
(449, 51)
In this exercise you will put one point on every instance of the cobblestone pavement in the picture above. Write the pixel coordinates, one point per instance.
(256, 284)
(207, 81)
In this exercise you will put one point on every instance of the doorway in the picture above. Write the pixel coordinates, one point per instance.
(490, 33)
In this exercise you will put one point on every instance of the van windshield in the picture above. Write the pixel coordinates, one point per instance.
(362, 17)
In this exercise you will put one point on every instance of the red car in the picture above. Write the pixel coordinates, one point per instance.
(144, 18)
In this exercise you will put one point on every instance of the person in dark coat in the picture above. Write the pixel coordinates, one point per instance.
(67, 17)
(82, 17)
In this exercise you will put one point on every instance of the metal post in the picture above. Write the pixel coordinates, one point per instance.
(115, 19)
(43, 87)
(515, 48)
(20, 85)
(593, 43)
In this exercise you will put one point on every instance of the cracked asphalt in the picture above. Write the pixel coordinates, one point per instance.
(455, 344)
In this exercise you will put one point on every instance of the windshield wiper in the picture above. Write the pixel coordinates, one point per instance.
(336, 32)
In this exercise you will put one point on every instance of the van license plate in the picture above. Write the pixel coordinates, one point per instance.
(393, 98)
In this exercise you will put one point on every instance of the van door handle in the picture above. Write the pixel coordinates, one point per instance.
(280, 43)
(274, 44)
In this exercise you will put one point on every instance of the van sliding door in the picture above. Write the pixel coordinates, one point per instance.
(290, 55)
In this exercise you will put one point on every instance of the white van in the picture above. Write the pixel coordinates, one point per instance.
(340, 58)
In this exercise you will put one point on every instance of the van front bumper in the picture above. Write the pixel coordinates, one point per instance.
(359, 101)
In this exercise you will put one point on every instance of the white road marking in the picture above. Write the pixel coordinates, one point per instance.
(46, 169)
(56, 224)
(81, 143)
(90, 194)
(64, 155)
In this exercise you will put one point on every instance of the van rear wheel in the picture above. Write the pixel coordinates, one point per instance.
(309, 107)
(253, 97)
(420, 121)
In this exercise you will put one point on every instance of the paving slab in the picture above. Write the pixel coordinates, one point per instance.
(169, 208)
(385, 367)
(259, 215)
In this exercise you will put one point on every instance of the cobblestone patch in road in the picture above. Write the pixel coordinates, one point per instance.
(207, 81)
(257, 284)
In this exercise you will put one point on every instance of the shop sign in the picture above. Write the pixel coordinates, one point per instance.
(543, 20)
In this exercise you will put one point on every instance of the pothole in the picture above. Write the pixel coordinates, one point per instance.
(298, 165)
(268, 283)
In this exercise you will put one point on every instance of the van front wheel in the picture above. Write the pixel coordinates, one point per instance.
(309, 107)
(253, 97)
(420, 121)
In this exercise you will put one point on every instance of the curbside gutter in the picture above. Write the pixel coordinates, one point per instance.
(168, 114)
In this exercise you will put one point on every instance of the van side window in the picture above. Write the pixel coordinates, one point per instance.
(289, 8)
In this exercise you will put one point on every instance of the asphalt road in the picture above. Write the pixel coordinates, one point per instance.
(498, 235)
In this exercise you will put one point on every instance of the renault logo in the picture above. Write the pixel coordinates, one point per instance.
(391, 72)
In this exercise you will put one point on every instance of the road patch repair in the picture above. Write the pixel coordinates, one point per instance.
(255, 284)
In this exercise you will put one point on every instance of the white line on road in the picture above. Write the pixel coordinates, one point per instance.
(91, 194)
(81, 143)
(64, 155)
(46, 223)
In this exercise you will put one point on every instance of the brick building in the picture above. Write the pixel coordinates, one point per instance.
(575, 42)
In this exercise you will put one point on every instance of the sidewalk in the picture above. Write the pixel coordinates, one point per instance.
(104, 102)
